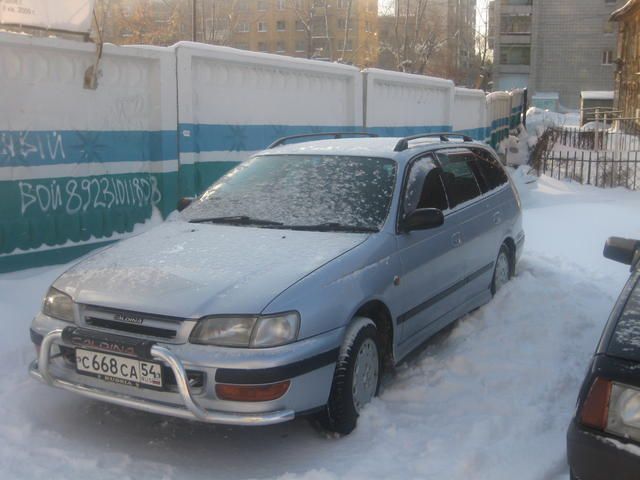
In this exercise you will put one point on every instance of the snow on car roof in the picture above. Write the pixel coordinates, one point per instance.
(359, 146)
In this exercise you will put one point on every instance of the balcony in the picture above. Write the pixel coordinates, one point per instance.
(515, 38)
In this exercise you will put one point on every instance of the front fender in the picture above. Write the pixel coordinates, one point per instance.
(329, 297)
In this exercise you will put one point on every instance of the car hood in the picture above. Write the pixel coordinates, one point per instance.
(192, 270)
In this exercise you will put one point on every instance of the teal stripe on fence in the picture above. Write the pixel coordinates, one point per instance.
(53, 147)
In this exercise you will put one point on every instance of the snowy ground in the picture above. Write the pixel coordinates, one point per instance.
(490, 398)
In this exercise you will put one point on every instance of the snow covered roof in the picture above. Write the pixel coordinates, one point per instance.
(596, 95)
(626, 8)
(547, 95)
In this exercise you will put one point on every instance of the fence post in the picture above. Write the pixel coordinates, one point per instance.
(596, 143)
(605, 133)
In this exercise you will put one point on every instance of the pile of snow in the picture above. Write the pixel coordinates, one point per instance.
(539, 120)
(516, 148)
(489, 398)
(591, 126)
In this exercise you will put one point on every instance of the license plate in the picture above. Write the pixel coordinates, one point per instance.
(116, 369)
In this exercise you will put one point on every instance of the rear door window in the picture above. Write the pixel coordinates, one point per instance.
(459, 180)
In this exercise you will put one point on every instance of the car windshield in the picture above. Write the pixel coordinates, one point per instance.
(324, 191)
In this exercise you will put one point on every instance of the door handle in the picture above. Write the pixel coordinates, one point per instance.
(497, 218)
(456, 239)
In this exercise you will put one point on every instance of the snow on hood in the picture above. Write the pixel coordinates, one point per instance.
(192, 270)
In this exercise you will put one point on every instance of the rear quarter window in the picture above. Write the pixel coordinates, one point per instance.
(492, 172)
(458, 177)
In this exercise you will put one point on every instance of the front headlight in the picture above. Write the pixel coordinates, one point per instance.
(624, 411)
(58, 305)
(255, 332)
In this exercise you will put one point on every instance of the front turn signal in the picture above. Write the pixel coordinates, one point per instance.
(252, 393)
(595, 408)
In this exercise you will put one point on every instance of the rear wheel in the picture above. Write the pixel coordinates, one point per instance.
(502, 270)
(356, 379)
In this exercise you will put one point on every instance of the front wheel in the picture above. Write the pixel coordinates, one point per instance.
(356, 379)
(502, 271)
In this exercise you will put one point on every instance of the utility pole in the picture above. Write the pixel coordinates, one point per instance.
(193, 20)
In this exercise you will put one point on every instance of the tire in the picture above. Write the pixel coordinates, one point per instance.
(342, 410)
(502, 271)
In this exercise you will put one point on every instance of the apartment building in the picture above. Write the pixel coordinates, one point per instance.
(554, 46)
(332, 30)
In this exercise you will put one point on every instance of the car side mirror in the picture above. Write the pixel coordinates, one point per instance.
(184, 202)
(623, 250)
(422, 219)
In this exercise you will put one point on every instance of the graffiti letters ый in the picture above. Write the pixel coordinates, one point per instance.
(23, 145)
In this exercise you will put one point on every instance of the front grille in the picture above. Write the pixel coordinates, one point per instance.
(150, 325)
(126, 327)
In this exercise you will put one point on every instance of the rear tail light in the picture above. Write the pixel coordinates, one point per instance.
(252, 393)
(595, 408)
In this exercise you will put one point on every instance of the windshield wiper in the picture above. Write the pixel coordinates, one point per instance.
(236, 220)
(331, 227)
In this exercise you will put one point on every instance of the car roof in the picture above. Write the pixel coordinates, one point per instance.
(368, 147)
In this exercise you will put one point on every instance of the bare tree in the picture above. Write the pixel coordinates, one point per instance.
(483, 59)
(347, 28)
(417, 35)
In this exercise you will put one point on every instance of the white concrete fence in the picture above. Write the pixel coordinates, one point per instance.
(79, 168)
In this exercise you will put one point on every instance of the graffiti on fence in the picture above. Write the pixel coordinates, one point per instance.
(21, 145)
(78, 195)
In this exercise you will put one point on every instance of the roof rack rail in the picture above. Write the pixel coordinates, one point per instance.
(403, 143)
(283, 140)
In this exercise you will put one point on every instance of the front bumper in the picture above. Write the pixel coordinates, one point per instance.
(309, 387)
(594, 456)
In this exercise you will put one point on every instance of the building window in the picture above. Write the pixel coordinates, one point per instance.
(262, 5)
(262, 26)
(367, 26)
(300, 26)
(281, 25)
(280, 4)
(515, 55)
(300, 46)
(342, 24)
(318, 3)
(515, 24)
(349, 46)
(242, 27)
(280, 47)
(242, 5)
(242, 46)
(607, 57)
(263, 47)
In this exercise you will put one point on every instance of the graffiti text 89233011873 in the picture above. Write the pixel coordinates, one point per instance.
(75, 195)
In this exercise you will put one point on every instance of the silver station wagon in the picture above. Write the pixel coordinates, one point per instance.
(290, 284)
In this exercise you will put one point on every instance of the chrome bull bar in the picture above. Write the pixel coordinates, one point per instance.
(192, 410)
